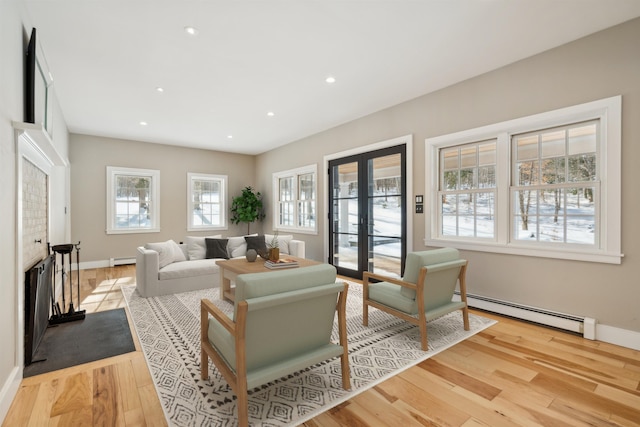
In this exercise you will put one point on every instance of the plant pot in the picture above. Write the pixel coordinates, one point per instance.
(274, 254)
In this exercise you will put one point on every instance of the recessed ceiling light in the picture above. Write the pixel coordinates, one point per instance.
(143, 123)
(159, 89)
(330, 79)
(230, 136)
(191, 31)
(271, 114)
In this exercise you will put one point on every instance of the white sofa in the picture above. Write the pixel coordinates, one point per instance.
(167, 267)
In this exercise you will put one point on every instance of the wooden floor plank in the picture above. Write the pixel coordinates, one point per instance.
(23, 405)
(42, 406)
(127, 386)
(74, 394)
(106, 399)
(384, 411)
(481, 388)
(423, 400)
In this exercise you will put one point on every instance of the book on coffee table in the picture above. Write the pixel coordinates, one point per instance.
(281, 263)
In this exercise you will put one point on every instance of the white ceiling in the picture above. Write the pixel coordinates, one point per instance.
(108, 57)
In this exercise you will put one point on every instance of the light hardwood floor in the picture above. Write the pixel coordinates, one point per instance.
(513, 373)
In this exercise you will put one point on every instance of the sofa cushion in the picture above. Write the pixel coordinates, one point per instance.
(283, 242)
(216, 248)
(392, 296)
(168, 252)
(196, 246)
(199, 267)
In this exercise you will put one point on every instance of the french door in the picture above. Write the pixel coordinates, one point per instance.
(367, 212)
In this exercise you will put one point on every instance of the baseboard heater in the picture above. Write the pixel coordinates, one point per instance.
(582, 325)
(121, 261)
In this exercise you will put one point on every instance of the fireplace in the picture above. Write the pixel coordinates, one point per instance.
(37, 294)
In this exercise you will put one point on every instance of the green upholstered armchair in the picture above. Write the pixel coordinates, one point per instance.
(424, 293)
(282, 323)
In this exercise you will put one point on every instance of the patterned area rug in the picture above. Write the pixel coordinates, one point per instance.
(168, 330)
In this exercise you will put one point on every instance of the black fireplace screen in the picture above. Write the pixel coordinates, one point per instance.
(36, 308)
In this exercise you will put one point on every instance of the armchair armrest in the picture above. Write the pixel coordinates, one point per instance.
(147, 262)
(206, 308)
(297, 248)
(366, 276)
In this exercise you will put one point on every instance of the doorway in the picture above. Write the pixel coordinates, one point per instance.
(367, 212)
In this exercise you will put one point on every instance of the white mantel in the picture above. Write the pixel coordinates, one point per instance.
(39, 144)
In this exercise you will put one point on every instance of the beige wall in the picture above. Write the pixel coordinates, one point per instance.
(599, 66)
(90, 156)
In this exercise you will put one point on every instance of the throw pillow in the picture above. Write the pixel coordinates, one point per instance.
(256, 243)
(216, 248)
(283, 242)
(178, 252)
(237, 246)
(196, 246)
(168, 252)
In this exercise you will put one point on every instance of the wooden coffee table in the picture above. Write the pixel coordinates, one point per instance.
(230, 268)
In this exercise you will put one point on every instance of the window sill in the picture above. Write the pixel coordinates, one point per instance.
(195, 229)
(296, 230)
(134, 231)
(540, 252)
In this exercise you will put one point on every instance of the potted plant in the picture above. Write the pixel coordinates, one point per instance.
(273, 249)
(247, 207)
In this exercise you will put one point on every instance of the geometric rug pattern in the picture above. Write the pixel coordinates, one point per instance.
(168, 328)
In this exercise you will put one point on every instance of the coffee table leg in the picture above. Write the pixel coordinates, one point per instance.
(225, 285)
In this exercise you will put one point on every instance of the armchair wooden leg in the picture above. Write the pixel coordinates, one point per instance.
(423, 335)
(243, 410)
(365, 314)
(365, 299)
(344, 341)
(204, 364)
(346, 377)
(465, 318)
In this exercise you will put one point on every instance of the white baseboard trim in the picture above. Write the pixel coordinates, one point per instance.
(96, 264)
(9, 391)
(618, 336)
(586, 326)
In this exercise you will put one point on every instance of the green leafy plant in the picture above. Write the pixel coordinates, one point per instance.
(247, 207)
(274, 241)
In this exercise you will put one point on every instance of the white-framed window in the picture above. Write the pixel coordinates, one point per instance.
(546, 185)
(467, 190)
(295, 207)
(555, 185)
(133, 200)
(207, 202)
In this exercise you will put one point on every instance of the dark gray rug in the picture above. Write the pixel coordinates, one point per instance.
(97, 336)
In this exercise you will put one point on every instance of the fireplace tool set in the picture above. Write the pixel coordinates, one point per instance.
(58, 315)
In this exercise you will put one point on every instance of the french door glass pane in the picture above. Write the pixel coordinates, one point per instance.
(345, 212)
(385, 215)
